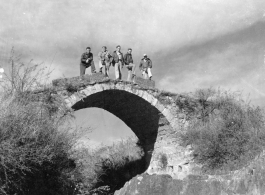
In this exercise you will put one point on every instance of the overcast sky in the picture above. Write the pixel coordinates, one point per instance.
(192, 43)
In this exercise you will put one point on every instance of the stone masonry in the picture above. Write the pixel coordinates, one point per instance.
(157, 118)
(153, 116)
(250, 180)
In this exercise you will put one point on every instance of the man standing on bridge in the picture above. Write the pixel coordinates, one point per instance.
(128, 60)
(104, 60)
(118, 62)
(87, 61)
(145, 67)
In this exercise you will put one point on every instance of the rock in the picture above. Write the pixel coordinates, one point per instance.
(245, 181)
(151, 184)
(165, 185)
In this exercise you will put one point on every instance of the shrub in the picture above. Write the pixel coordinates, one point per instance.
(34, 151)
(107, 168)
(20, 77)
(35, 146)
(71, 88)
(229, 135)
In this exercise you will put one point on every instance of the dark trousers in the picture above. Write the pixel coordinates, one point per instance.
(83, 68)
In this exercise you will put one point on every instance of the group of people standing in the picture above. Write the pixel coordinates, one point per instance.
(118, 60)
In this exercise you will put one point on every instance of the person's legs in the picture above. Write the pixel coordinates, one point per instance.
(133, 69)
(100, 66)
(129, 72)
(93, 68)
(117, 71)
(133, 72)
(107, 66)
(149, 73)
(145, 73)
(103, 67)
(82, 69)
(129, 75)
(120, 75)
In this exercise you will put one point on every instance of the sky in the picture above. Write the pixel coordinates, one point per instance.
(192, 43)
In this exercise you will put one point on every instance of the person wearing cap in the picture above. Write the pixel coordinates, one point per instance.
(104, 60)
(87, 61)
(118, 61)
(145, 67)
(128, 61)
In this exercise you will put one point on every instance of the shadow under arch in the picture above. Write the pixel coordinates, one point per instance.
(138, 114)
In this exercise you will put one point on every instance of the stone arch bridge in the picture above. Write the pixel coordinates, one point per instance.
(156, 117)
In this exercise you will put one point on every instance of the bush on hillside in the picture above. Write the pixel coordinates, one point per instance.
(35, 147)
(20, 77)
(228, 135)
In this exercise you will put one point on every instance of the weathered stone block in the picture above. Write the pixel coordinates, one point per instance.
(144, 82)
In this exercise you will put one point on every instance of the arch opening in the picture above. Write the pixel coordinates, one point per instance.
(113, 149)
(144, 119)
(104, 128)
(138, 114)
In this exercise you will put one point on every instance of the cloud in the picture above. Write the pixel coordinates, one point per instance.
(224, 61)
(192, 44)
(66, 27)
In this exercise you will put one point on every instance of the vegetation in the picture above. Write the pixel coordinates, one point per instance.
(34, 152)
(35, 146)
(226, 132)
(107, 168)
(39, 153)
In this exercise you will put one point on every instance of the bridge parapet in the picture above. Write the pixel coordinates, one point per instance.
(99, 78)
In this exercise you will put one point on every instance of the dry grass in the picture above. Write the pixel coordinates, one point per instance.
(228, 134)
(35, 148)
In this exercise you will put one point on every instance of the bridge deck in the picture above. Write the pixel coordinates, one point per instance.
(99, 78)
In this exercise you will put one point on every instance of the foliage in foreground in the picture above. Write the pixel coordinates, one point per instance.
(39, 155)
(229, 133)
(38, 151)
(34, 149)
(106, 169)
(35, 146)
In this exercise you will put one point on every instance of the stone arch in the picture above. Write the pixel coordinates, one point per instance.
(154, 121)
(147, 95)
